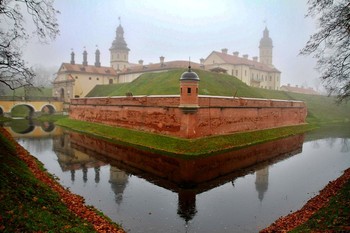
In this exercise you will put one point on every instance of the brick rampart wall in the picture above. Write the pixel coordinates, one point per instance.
(215, 116)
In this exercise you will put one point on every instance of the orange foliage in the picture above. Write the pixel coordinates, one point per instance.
(74, 202)
(289, 222)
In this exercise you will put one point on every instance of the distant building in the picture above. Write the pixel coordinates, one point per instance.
(254, 73)
(77, 80)
(301, 90)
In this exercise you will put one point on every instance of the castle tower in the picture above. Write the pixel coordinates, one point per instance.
(119, 50)
(189, 83)
(265, 48)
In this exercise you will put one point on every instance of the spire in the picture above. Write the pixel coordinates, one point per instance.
(97, 57)
(85, 63)
(72, 61)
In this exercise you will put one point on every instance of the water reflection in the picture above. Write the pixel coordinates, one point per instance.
(187, 178)
(20, 128)
(237, 191)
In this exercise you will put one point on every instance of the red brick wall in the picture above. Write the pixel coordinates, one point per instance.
(216, 115)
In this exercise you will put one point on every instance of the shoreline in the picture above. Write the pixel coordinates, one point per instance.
(179, 147)
(301, 216)
(73, 202)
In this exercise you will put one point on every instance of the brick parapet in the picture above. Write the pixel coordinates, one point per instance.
(215, 115)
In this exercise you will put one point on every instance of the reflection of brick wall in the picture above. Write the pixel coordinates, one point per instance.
(215, 116)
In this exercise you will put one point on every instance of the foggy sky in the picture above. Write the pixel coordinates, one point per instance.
(179, 29)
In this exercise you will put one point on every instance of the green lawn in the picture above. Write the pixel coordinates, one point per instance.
(186, 148)
(321, 109)
(27, 204)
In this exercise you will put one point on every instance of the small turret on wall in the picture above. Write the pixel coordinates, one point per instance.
(189, 83)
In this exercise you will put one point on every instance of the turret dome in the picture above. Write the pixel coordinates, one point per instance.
(189, 75)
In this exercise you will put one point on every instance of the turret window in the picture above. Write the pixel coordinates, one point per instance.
(189, 91)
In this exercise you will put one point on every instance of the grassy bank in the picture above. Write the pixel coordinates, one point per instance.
(27, 204)
(180, 147)
(31, 200)
(334, 216)
(321, 109)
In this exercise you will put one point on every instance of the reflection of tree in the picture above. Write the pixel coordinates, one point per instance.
(315, 144)
(345, 147)
(330, 142)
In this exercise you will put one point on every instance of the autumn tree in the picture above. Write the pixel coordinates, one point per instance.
(16, 16)
(330, 45)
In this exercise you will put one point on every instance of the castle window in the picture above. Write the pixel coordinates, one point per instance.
(76, 77)
(236, 72)
(118, 55)
(124, 57)
(188, 90)
(89, 78)
(270, 78)
(111, 81)
(97, 78)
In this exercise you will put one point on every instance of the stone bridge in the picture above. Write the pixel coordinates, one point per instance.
(36, 106)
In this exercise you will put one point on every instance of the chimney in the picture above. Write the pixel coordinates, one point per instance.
(224, 50)
(161, 58)
(85, 63)
(141, 62)
(255, 58)
(72, 61)
(245, 56)
(97, 58)
(236, 53)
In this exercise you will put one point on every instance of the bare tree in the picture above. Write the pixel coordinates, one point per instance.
(331, 45)
(14, 72)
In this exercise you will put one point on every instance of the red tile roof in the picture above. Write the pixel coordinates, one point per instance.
(235, 60)
(301, 90)
(102, 70)
(159, 66)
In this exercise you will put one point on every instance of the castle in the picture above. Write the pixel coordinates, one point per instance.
(77, 80)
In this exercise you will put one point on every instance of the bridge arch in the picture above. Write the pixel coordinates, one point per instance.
(48, 127)
(23, 127)
(29, 106)
(48, 109)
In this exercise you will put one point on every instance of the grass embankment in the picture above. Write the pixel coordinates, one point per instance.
(329, 211)
(321, 109)
(32, 201)
(186, 148)
(334, 216)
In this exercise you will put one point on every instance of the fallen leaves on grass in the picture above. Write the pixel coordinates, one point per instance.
(289, 222)
(74, 202)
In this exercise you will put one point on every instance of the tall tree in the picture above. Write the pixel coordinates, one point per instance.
(330, 45)
(14, 34)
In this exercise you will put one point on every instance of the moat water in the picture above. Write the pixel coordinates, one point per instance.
(152, 193)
